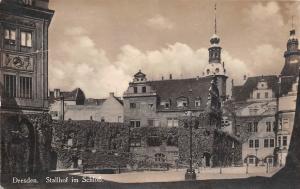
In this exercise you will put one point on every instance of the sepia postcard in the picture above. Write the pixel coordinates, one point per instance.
(149, 94)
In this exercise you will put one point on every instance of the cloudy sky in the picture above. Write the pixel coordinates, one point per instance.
(98, 45)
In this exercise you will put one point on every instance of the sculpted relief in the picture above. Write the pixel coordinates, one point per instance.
(18, 62)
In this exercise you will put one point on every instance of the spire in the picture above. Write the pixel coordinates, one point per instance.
(215, 18)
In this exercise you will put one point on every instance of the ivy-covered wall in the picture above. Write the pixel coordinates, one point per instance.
(99, 144)
(88, 141)
(25, 144)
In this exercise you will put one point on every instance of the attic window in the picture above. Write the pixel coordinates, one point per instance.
(182, 102)
(135, 90)
(207, 71)
(144, 89)
(166, 104)
(197, 103)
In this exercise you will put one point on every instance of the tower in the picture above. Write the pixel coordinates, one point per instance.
(215, 66)
(291, 55)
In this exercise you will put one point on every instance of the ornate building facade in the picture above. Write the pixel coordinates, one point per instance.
(24, 86)
(162, 104)
(265, 109)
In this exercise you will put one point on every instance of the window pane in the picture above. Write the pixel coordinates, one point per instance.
(23, 38)
(29, 42)
(6, 34)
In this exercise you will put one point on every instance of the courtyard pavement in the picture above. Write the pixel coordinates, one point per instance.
(178, 175)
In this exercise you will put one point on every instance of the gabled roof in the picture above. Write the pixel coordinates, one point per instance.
(242, 93)
(193, 89)
(74, 95)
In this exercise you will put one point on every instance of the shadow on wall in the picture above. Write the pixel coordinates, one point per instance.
(24, 145)
(292, 168)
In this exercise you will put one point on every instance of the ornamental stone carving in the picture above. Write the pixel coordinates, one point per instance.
(18, 62)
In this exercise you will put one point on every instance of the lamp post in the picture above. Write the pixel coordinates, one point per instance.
(232, 147)
(189, 123)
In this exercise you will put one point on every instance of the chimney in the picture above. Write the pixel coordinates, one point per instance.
(56, 93)
(171, 76)
(111, 94)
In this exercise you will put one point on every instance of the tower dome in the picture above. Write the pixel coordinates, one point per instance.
(215, 39)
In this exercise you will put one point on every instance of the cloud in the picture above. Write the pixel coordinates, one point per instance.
(160, 22)
(264, 23)
(87, 67)
(264, 59)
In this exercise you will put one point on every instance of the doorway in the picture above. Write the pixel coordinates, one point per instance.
(206, 157)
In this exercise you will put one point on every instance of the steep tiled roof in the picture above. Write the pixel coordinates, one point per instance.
(74, 95)
(242, 93)
(192, 89)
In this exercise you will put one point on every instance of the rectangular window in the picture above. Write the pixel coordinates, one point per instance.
(255, 125)
(258, 95)
(143, 89)
(135, 123)
(266, 143)
(284, 141)
(150, 122)
(272, 142)
(285, 123)
(135, 89)
(279, 141)
(25, 87)
(10, 85)
(197, 103)
(256, 143)
(135, 142)
(10, 36)
(132, 105)
(250, 127)
(251, 144)
(26, 39)
(266, 95)
(172, 122)
(269, 127)
(157, 123)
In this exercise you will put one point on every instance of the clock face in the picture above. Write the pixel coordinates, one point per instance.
(17, 61)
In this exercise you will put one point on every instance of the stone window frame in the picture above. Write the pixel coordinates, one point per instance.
(28, 41)
(11, 39)
(135, 123)
(268, 126)
(284, 140)
(174, 122)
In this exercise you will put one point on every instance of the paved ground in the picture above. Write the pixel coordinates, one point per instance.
(286, 179)
(178, 175)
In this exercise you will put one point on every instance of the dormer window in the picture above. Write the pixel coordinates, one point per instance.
(182, 102)
(166, 104)
(197, 103)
